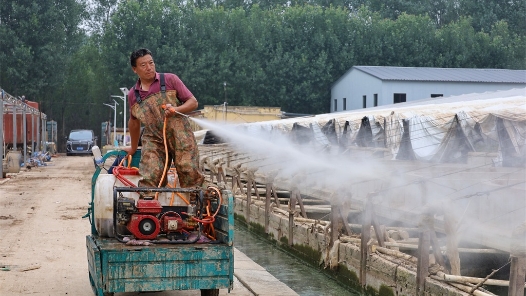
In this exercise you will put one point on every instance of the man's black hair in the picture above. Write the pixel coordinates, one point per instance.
(137, 54)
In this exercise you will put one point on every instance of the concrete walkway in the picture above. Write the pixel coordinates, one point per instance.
(257, 279)
(250, 279)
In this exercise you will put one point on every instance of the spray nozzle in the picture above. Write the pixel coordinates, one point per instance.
(170, 109)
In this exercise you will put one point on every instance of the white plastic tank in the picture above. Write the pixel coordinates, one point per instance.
(13, 161)
(103, 201)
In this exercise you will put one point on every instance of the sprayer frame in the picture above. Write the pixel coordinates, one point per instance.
(117, 190)
(116, 267)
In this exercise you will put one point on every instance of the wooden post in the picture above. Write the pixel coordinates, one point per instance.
(221, 177)
(302, 207)
(365, 237)
(517, 274)
(236, 179)
(291, 228)
(212, 166)
(236, 184)
(346, 226)
(518, 261)
(240, 184)
(378, 230)
(202, 165)
(249, 201)
(233, 184)
(270, 190)
(339, 223)
(452, 254)
(211, 174)
(295, 198)
(256, 191)
(228, 158)
(336, 224)
(220, 174)
(424, 242)
(251, 175)
(292, 200)
(436, 248)
(295, 192)
(267, 206)
(276, 199)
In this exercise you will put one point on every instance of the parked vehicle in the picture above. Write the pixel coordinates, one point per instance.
(162, 244)
(80, 142)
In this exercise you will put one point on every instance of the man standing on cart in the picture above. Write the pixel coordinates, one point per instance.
(154, 97)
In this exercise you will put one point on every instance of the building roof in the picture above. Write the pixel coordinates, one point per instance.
(445, 74)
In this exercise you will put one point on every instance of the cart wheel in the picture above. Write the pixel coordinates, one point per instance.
(209, 292)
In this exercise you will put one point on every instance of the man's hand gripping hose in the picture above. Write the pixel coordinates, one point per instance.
(169, 111)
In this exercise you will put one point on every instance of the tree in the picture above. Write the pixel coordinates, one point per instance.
(270, 53)
(486, 13)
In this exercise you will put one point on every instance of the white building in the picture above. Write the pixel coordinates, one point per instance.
(371, 86)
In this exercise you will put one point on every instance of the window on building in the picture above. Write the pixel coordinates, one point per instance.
(335, 105)
(436, 95)
(375, 100)
(365, 101)
(344, 103)
(399, 98)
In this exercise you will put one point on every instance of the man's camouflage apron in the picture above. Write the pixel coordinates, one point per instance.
(182, 147)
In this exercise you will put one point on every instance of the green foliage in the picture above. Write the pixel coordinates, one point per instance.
(38, 39)
(487, 13)
(71, 57)
(35, 38)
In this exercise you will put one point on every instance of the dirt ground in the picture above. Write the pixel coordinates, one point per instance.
(42, 247)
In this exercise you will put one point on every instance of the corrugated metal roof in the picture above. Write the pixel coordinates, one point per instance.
(445, 74)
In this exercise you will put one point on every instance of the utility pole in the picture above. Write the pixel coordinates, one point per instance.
(125, 96)
(114, 107)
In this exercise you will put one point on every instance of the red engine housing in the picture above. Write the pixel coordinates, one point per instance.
(144, 224)
(172, 222)
(149, 206)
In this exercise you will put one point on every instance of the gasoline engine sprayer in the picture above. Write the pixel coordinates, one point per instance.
(174, 215)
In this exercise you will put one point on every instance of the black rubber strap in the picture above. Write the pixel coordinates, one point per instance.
(137, 95)
(163, 84)
(163, 89)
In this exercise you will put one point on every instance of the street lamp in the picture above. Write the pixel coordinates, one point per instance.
(125, 94)
(114, 107)
(124, 91)
(123, 98)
